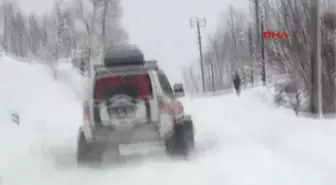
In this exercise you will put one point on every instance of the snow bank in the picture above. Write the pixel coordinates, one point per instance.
(72, 79)
(308, 145)
(47, 108)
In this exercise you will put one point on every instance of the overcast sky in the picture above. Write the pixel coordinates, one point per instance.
(161, 27)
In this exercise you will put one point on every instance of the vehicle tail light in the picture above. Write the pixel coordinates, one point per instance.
(165, 108)
(86, 112)
(162, 107)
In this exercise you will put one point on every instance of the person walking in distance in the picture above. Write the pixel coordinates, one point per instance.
(237, 82)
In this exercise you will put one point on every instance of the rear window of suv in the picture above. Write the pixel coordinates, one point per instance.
(139, 84)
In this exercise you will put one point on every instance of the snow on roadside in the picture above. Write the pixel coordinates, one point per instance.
(46, 110)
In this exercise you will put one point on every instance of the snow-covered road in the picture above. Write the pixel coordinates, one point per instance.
(241, 140)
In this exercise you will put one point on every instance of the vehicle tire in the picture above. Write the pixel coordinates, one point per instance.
(189, 128)
(112, 153)
(181, 143)
(86, 152)
(83, 148)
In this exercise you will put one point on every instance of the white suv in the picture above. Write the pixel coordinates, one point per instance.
(130, 101)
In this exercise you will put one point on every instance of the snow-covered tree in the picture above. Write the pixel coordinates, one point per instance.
(74, 27)
(232, 47)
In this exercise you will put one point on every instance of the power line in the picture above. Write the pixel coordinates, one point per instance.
(199, 23)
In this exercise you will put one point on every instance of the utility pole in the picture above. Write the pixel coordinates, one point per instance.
(213, 59)
(263, 62)
(212, 75)
(315, 60)
(200, 23)
(260, 54)
(251, 54)
(257, 19)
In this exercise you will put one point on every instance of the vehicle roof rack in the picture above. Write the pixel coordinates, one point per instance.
(102, 69)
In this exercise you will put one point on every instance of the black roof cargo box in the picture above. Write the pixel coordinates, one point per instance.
(123, 56)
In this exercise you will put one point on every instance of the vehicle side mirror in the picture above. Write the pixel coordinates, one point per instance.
(178, 90)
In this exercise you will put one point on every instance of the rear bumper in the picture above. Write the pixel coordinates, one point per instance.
(138, 134)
